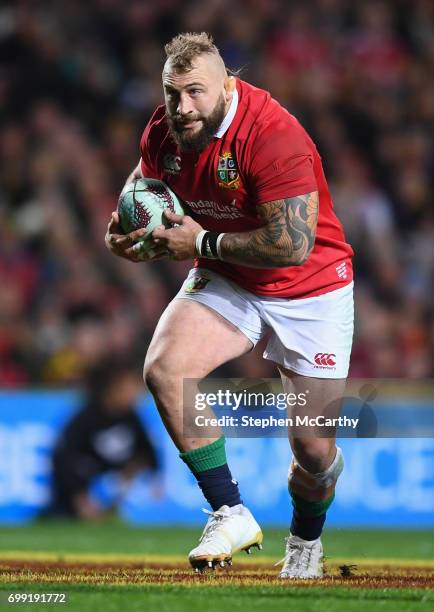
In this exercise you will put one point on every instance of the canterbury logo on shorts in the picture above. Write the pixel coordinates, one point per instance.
(325, 360)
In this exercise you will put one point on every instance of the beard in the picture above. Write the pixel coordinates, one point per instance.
(189, 140)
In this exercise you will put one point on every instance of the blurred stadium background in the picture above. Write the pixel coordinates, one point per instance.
(78, 82)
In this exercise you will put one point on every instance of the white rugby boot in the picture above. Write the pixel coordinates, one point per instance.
(228, 531)
(303, 558)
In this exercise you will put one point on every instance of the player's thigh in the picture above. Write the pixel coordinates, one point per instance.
(323, 395)
(191, 340)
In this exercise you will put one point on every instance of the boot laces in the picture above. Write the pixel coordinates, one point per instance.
(294, 550)
(215, 521)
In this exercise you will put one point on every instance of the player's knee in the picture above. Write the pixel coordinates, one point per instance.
(314, 454)
(154, 376)
(313, 483)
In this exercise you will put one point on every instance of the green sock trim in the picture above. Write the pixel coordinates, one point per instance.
(311, 508)
(206, 457)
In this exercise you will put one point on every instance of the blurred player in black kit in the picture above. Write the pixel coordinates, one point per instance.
(106, 435)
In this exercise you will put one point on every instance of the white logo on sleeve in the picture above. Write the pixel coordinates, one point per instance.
(341, 270)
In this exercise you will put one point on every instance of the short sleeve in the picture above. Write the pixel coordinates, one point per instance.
(147, 167)
(150, 144)
(282, 163)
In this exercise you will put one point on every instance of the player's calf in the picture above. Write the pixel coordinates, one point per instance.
(312, 494)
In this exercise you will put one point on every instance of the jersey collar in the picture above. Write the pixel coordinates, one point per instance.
(224, 126)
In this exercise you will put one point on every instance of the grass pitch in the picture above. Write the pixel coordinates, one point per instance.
(115, 567)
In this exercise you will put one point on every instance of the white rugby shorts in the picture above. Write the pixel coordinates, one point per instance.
(310, 336)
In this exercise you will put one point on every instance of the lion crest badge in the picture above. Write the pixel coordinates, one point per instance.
(227, 172)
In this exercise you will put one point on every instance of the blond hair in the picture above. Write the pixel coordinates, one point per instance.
(184, 48)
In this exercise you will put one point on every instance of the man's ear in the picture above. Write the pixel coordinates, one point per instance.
(229, 85)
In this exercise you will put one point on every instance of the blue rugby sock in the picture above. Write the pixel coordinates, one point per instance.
(307, 527)
(209, 466)
(218, 487)
(308, 517)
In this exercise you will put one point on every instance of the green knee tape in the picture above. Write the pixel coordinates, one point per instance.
(206, 457)
(311, 508)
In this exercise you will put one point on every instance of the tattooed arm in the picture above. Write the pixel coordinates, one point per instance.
(286, 239)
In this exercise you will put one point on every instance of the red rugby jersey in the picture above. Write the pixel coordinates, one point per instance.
(264, 155)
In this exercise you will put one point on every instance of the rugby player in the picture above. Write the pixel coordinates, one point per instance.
(270, 256)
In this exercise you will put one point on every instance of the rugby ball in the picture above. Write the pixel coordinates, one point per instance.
(142, 204)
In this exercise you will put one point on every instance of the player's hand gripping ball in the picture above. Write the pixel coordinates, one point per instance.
(141, 205)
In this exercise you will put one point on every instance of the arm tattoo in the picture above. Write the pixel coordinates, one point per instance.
(286, 239)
